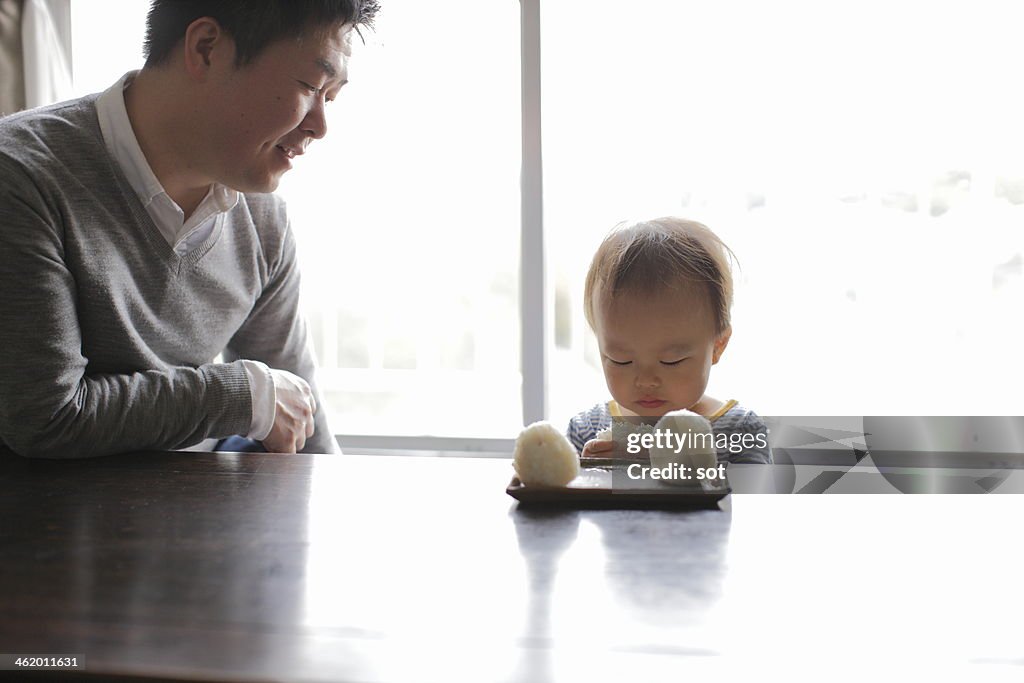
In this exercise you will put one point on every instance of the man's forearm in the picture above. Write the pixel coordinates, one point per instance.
(106, 414)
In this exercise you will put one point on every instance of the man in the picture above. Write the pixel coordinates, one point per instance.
(138, 242)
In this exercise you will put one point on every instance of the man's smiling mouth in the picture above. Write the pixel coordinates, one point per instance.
(290, 152)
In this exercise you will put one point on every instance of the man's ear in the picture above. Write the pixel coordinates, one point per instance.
(720, 344)
(206, 43)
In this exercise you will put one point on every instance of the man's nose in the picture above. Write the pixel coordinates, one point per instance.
(315, 123)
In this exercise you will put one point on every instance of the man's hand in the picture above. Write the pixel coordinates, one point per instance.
(293, 413)
(598, 448)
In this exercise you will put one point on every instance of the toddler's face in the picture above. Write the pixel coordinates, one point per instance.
(657, 350)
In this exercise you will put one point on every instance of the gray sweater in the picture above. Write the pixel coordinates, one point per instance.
(107, 336)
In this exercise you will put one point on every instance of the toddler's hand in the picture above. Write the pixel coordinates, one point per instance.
(598, 448)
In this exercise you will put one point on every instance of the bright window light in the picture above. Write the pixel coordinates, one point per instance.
(865, 164)
(106, 41)
(406, 215)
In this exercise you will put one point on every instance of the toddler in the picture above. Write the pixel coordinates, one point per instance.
(658, 296)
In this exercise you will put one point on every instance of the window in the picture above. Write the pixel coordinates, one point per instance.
(106, 41)
(865, 165)
(406, 216)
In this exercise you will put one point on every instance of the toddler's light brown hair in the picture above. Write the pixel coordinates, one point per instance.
(651, 256)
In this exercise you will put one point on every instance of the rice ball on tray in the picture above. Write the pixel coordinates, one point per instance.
(544, 457)
(697, 449)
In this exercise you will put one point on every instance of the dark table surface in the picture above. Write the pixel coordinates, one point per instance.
(204, 566)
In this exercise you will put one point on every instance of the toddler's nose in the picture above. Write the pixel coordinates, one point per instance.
(647, 380)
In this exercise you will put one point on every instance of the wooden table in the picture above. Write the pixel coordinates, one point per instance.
(373, 568)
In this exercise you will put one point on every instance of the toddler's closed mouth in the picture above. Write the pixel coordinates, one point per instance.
(651, 402)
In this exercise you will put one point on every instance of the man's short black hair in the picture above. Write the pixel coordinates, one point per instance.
(252, 25)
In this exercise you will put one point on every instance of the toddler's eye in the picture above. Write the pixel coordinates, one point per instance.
(618, 362)
(673, 362)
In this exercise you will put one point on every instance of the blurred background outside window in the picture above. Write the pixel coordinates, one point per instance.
(865, 165)
(864, 161)
(406, 215)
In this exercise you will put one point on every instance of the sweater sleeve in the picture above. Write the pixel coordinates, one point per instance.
(50, 405)
(275, 331)
(587, 425)
(579, 431)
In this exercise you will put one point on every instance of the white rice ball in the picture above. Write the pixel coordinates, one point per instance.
(544, 457)
(697, 448)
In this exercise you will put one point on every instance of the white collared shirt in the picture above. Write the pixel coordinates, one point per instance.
(182, 234)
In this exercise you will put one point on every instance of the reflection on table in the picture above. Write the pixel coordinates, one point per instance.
(379, 568)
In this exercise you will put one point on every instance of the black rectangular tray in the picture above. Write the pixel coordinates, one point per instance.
(593, 489)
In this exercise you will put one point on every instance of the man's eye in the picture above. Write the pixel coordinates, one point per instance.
(311, 88)
(672, 362)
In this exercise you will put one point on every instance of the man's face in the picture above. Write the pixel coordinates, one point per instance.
(266, 113)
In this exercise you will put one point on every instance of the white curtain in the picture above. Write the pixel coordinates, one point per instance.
(46, 44)
(12, 73)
